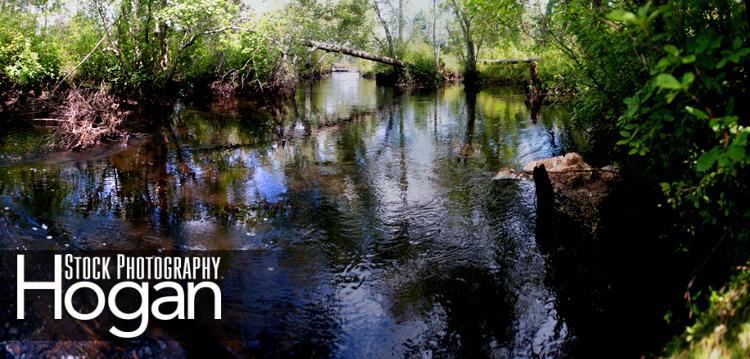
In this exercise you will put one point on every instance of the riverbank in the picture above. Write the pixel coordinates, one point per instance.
(722, 329)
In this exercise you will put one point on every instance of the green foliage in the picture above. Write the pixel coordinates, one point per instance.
(481, 24)
(689, 118)
(664, 90)
(723, 329)
(26, 58)
(421, 56)
(151, 59)
(669, 85)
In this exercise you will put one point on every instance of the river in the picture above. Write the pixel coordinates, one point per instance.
(367, 221)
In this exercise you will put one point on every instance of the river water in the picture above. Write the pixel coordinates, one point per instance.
(368, 220)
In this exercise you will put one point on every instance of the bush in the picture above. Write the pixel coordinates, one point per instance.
(723, 330)
(26, 59)
(689, 118)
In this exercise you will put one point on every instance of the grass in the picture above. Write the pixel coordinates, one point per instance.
(723, 330)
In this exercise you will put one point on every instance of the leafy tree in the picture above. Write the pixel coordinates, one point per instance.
(150, 40)
(483, 22)
(27, 58)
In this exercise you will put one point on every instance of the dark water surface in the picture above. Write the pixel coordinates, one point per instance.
(368, 221)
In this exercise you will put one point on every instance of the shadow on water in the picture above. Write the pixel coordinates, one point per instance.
(366, 222)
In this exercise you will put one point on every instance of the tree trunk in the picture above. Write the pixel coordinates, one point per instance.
(354, 52)
(401, 21)
(471, 59)
(434, 35)
(388, 37)
(511, 61)
(470, 72)
(164, 46)
(534, 74)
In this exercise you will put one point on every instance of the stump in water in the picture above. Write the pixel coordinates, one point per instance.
(568, 184)
(545, 204)
(545, 195)
(534, 74)
(285, 77)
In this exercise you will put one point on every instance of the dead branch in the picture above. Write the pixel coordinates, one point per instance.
(87, 118)
(80, 63)
(354, 52)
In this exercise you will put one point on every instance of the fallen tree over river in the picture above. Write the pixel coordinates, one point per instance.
(354, 52)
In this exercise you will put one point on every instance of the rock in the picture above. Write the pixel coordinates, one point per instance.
(509, 174)
(578, 186)
(571, 173)
(570, 161)
(568, 172)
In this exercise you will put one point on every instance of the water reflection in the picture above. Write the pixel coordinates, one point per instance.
(380, 236)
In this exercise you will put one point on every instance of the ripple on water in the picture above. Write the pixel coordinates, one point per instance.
(384, 236)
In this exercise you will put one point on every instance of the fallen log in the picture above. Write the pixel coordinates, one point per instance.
(354, 52)
(511, 61)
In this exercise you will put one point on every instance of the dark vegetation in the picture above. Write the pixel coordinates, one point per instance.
(661, 87)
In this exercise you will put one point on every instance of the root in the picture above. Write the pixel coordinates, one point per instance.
(87, 118)
(223, 89)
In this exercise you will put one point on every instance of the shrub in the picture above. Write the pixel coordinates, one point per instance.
(26, 59)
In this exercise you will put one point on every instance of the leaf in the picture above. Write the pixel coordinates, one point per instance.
(706, 161)
(672, 50)
(696, 112)
(663, 63)
(722, 63)
(622, 15)
(737, 56)
(736, 153)
(668, 81)
(671, 96)
(736, 43)
(689, 59)
(687, 79)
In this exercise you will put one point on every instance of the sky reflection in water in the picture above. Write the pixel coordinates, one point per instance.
(369, 222)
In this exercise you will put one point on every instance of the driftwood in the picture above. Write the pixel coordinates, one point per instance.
(354, 52)
(86, 118)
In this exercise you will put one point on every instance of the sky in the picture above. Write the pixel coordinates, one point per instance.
(262, 6)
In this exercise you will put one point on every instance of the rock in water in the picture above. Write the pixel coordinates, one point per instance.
(569, 161)
(579, 186)
(509, 174)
